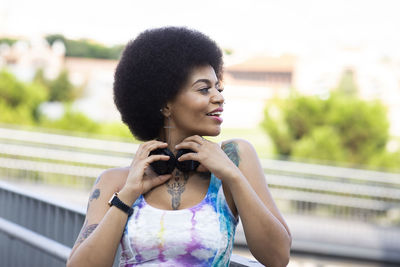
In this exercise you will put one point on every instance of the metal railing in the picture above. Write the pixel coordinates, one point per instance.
(331, 210)
(299, 187)
(35, 230)
(32, 245)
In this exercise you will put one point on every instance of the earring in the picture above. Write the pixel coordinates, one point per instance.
(168, 126)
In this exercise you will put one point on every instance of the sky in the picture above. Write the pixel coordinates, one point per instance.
(247, 26)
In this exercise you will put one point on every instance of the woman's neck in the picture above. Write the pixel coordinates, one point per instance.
(172, 137)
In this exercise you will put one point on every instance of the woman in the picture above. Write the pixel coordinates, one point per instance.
(180, 212)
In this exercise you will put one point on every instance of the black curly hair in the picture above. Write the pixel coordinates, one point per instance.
(152, 70)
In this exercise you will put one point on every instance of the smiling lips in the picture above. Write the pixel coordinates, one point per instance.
(215, 114)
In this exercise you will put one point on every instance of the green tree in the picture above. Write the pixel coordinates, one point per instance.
(342, 128)
(72, 121)
(15, 115)
(40, 78)
(9, 41)
(385, 160)
(19, 101)
(11, 90)
(61, 89)
(323, 143)
(362, 125)
(86, 48)
(19, 104)
(54, 37)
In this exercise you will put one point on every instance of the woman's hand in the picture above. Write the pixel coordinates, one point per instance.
(138, 179)
(210, 155)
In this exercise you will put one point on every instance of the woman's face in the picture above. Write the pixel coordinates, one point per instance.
(197, 108)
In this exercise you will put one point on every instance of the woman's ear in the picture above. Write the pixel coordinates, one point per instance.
(166, 110)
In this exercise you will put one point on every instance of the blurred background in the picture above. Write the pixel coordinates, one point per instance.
(313, 85)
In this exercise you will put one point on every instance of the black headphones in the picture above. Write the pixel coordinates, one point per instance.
(167, 166)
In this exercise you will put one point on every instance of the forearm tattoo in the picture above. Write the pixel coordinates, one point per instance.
(176, 186)
(231, 149)
(85, 232)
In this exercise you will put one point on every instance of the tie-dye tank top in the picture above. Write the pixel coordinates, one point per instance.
(198, 236)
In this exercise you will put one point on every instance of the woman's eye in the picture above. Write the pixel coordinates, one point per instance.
(204, 90)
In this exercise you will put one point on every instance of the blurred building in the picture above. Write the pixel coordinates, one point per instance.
(250, 83)
(275, 73)
(98, 77)
(24, 58)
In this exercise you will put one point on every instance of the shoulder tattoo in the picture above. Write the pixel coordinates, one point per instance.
(231, 149)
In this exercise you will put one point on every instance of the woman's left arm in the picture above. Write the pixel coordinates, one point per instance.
(268, 236)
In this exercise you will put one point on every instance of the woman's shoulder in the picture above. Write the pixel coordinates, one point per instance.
(238, 145)
(113, 177)
(237, 148)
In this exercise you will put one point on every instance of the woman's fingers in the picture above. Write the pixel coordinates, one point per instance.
(156, 144)
(189, 145)
(142, 160)
(198, 144)
(153, 158)
(145, 148)
(143, 164)
(189, 156)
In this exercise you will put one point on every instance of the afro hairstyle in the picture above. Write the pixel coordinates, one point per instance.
(152, 70)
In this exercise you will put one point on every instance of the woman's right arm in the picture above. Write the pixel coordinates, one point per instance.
(102, 231)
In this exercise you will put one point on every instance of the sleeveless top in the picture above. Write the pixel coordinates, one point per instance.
(202, 235)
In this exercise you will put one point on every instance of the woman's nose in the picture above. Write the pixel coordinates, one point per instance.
(218, 97)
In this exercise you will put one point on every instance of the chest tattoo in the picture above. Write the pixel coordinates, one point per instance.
(176, 186)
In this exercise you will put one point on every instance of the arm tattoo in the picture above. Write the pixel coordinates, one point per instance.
(80, 233)
(97, 180)
(176, 187)
(85, 233)
(95, 194)
(231, 149)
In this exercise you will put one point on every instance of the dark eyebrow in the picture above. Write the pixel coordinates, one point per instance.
(204, 81)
